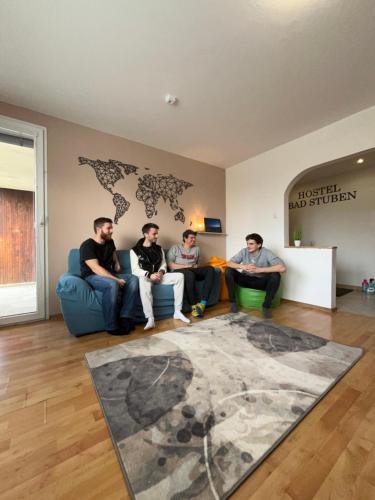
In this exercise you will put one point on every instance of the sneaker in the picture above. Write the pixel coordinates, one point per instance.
(118, 331)
(132, 324)
(129, 322)
(202, 307)
(266, 313)
(125, 326)
(150, 324)
(233, 307)
(197, 310)
(181, 317)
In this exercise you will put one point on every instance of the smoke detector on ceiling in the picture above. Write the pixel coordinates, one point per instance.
(170, 99)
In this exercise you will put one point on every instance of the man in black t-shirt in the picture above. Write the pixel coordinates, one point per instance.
(100, 267)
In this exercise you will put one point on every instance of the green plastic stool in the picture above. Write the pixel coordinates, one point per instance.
(253, 299)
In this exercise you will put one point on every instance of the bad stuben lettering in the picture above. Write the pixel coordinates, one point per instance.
(332, 188)
(322, 196)
(333, 198)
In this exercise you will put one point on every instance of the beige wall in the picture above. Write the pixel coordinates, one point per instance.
(75, 197)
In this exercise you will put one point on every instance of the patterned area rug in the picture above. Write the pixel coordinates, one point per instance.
(193, 411)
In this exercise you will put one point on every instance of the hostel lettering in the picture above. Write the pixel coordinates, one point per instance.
(321, 196)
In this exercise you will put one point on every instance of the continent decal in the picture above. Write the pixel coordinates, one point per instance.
(153, 187)
(150, 187)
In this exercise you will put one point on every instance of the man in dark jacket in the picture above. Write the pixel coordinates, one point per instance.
(148, 263)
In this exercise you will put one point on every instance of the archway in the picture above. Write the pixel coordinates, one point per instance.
(334, 205)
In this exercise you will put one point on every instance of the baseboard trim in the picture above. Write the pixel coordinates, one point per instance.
(311, 306)
(56, 316)
(52, 317)
(352, 287)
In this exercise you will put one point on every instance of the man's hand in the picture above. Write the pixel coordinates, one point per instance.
(121, 282)
(251, 268)
(194, 266)
(156, 277)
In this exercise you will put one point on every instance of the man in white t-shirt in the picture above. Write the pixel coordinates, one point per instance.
(184, 258)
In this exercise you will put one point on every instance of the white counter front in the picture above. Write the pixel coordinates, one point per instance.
(310, 276)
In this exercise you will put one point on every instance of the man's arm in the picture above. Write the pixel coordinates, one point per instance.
(96, 268)
(171, 258)
(277, 268)
(235, 265)
(163, 265)
(116, 263)
(236, 261)
(136, 270)
(274, 265)
(173, 265)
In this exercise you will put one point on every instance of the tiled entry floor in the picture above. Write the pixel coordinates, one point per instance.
(357, 302)
(17, 299)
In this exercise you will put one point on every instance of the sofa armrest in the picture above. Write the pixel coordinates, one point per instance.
(69, 283)
(72, 287)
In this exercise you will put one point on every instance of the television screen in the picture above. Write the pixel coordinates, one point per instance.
(212, 225)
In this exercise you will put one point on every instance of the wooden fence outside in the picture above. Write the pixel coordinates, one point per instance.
(17, 239)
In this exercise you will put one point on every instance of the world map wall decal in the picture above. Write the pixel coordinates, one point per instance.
(150, 187)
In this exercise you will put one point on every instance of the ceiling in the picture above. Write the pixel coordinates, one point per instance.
(249, 74)
(341, 166)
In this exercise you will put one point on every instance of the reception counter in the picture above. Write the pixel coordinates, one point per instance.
(311, 275)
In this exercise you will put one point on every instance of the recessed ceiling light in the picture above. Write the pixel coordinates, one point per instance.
(360, 160)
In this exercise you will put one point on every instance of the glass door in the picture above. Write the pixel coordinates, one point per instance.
(23, 290)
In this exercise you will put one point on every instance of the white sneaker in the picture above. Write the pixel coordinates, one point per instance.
(181, 317)
(150, 324)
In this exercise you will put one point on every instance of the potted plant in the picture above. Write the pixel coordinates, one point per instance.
(297, 237)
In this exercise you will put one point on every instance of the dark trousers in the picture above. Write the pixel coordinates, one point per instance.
(193, 274)
(270, 283)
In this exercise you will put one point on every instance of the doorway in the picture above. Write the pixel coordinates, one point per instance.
(23, 257)
(332, 206)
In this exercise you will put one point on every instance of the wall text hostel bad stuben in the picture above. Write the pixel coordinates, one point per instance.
(321, 196)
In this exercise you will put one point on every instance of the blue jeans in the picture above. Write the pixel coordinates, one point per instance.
(116, 302)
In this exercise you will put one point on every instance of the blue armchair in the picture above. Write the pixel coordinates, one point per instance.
(81, 305)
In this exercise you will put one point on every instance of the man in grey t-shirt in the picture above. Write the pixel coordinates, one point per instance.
(254, 267)
(183, 258)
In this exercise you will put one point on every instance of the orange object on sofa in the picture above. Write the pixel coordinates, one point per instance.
(221, 264)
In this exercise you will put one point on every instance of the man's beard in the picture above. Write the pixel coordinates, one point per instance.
(105, 237)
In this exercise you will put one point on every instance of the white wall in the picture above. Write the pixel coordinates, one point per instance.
(350, 224)
(309, 283)
(255, 192)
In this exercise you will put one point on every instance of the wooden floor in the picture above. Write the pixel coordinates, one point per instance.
(54, 441)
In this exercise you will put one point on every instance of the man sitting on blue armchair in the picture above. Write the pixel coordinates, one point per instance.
(99, 267)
